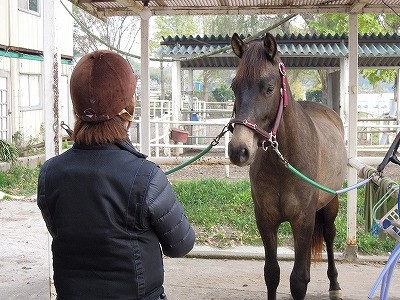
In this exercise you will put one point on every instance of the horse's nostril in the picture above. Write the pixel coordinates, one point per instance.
(244, 155)
(238, 154)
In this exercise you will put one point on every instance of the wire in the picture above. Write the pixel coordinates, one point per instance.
(391, 8)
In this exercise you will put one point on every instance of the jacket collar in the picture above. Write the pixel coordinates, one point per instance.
(124, 145)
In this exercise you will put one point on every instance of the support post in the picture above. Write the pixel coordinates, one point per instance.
(190, 88)
(351, 251)
(397, 97)
(52, 66)
(330, 80)
(344, 90)
(176, 90)
(145, 82)
(176, 99)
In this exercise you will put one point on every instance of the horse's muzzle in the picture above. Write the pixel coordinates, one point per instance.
(238, 154)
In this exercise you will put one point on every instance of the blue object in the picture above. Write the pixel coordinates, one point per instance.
(375, 229)
(386, 275)
(194, 117)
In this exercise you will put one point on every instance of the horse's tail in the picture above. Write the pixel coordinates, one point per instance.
(317, 242)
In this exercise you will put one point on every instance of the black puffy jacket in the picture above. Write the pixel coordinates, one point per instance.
(108, 210)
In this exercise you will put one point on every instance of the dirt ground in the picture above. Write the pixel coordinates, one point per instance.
(204, 274)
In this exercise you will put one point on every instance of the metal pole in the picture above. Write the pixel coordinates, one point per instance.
(52, 65)
(344, 93)
(145, 79)
(397, 96)
(351, 251)
(176, 90)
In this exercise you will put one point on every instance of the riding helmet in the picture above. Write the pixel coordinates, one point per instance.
(102, 86)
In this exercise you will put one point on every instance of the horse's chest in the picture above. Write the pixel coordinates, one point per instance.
(276, 195)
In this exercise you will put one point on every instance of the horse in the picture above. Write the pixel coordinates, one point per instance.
(269, 130)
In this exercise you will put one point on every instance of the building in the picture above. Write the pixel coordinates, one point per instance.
(22, 68)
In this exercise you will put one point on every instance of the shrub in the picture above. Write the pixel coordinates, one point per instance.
(8, 152)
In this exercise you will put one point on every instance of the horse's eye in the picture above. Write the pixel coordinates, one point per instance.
(270, 89)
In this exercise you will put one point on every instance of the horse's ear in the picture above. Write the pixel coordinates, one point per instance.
(238, 46)
(270, 46)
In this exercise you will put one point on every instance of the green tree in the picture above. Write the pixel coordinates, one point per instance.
(223, 93)
(173, 26)
(367, 24)
(119, 32)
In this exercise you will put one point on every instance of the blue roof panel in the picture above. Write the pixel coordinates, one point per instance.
(312, 50)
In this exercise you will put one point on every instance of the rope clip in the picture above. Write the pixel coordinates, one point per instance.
(224, 130)
(270, 142)
(273, 143)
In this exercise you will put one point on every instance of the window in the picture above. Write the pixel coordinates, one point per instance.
(29, 91)
(31, 6)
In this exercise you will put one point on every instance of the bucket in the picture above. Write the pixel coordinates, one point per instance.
(179, 135)
(194, 117)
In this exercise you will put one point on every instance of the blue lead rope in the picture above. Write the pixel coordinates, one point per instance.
(354, 186)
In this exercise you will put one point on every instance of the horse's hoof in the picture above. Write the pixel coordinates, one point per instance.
(335, 295)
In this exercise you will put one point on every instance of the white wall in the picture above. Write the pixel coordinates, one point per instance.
(4, 22)
(24, 30)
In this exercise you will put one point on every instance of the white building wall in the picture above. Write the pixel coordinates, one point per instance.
(4, 22)
(29, 120)
(24, 30)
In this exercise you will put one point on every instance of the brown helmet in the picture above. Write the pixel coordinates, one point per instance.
(102, 86)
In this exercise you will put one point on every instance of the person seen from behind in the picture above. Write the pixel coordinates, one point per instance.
(107, 208)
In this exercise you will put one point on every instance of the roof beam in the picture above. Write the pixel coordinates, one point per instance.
(131, 5)
(92, 1)
(85, 5)
(358, 5)
(173, 8)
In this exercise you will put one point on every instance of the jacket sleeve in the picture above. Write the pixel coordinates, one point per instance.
(41, 199)
(167, 217)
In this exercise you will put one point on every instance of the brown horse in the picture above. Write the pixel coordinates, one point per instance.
(310, 138)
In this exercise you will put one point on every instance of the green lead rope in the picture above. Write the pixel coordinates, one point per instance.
(324, 188)
(214, 142)
(194, 158)
(310, 181)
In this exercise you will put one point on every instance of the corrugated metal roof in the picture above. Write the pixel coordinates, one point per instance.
(104, 8)
(297, 51)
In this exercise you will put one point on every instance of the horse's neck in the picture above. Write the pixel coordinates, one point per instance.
(292, 130)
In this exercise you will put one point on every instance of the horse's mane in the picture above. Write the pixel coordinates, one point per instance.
(252, 62)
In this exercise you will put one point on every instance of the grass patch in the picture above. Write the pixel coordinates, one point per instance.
(19, 181)
(222, 213)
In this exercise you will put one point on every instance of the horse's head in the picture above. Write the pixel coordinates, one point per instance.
(256, 87)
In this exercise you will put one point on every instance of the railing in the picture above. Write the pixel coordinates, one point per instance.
(201, 133)
(374, 132)
(158, 108)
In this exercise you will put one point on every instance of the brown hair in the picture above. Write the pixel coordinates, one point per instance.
(108, 132)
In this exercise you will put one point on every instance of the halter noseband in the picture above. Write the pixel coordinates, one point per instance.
(283, 103)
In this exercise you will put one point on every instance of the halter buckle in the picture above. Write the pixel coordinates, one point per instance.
(270, 142)
(282, 69)
(249, 124)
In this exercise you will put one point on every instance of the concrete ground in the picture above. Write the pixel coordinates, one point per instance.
(206, 273)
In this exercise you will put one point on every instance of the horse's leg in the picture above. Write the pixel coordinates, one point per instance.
(268, 234)
(330, 211)
(300, 277)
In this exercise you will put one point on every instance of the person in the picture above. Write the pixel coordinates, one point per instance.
(108, 208)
